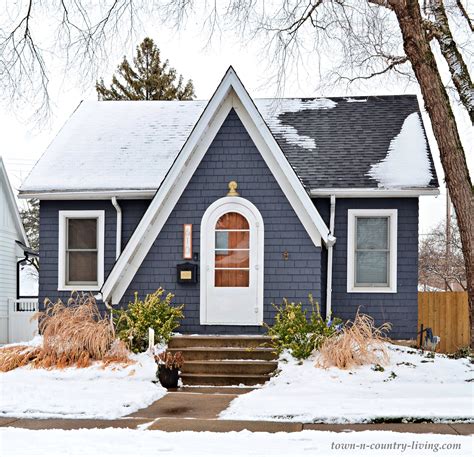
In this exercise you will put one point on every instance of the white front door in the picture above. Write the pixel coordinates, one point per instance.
(232, 263)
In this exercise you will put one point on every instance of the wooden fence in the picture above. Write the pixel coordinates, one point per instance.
(447, 313)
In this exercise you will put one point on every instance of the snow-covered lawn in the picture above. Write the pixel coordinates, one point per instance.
(149, 442)
(92, 392)
(412, 386)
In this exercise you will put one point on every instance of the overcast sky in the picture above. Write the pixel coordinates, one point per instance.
(22, 142)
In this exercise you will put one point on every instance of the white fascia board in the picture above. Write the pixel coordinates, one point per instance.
(229, 94)
(374, 192)
(90, 195)
(13, 206)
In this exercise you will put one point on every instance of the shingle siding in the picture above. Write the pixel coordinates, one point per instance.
(49, 230)
(401, 308)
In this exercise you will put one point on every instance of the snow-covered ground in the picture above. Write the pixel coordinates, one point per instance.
(149, 442)
(412, 386)
(93, 392)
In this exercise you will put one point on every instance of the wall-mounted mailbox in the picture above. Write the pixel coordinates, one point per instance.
(187, 272)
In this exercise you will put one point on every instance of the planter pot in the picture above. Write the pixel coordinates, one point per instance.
(168, 377)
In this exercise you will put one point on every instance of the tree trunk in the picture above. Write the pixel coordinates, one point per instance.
(437, 104)
(449, 49)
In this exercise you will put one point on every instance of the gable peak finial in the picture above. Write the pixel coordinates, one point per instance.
(232, 189)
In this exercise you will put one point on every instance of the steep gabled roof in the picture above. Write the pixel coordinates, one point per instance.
(125, 147)
(11, 201)
(230, 94)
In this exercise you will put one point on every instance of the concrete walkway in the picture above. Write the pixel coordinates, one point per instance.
(197, 409)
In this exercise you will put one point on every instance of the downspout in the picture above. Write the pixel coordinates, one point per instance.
(118, 237)
(118, 249)
(330, 254)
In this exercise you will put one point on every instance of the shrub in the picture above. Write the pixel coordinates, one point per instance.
(359, 343)
(155, 311)
(294, 331)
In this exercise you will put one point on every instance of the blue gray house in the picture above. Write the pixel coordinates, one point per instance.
(234, 203)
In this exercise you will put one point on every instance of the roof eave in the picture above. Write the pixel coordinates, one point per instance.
(374, 192)
(88, 194)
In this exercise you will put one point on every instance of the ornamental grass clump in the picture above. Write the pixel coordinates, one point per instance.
(75, 334)
(359, 343)
(298, 332)
(156, 312)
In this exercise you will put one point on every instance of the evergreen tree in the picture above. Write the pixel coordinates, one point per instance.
(30, 219)
(148, 79)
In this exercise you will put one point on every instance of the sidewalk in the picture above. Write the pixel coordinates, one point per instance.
(197, 409)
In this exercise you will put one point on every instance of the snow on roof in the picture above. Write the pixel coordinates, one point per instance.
(130, 145)
(407, 162)
(115, 145)
(270, 109)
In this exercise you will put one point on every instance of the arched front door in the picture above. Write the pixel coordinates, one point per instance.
(232, 263)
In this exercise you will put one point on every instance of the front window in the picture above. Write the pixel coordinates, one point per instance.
(81, 250)
(372, 250)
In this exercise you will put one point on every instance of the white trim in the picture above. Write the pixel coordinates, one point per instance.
(118, 233)
(351, 218)
(90, 195)
(229, 94)
(81, 214)
(330, 249)
(14, 207)
(375, 192)
(225, 205)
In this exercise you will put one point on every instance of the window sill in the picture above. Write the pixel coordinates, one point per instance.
(371, 290)
(79, 287)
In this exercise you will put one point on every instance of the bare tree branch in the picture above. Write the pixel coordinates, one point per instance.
(463, 11)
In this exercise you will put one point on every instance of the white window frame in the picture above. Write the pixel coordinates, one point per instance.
(82, 214)
(353, 214)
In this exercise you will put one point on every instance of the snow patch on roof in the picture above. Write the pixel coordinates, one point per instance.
(355, 100)
(272, 109)
(407, 162)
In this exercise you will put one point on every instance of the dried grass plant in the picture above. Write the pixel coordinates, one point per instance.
(359, 343)
(12, 357)
(73, 335)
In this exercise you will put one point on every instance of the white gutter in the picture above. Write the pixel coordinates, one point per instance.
(373, 192)
(118, 238)
(330, 254)
(89, 195)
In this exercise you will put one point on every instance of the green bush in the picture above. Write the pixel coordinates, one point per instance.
(155, 311)
(299, 333)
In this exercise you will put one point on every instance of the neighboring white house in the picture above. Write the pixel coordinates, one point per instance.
(14, 314)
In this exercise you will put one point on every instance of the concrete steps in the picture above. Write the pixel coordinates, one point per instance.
(225, 353)
(224, 360)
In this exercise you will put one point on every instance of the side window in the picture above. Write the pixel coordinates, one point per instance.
(81, 250)
(372, 251)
